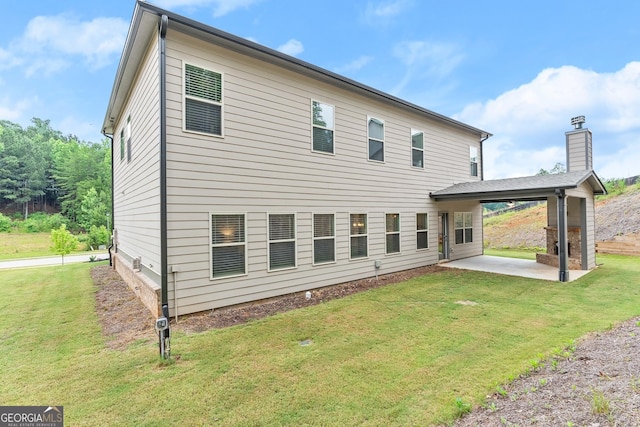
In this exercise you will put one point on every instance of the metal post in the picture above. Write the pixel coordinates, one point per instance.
(563, 248)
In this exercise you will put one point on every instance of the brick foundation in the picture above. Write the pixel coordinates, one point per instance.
(145, 289)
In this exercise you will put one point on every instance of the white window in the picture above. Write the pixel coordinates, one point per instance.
(324, 238)
(417, 148)
(392, 233)
(323, 125)
(228, 245)
(128, 137)
(473, 157)
(358, 241)
(463, 227)
(422, 230)
(282, 241)
(122, 144)
(376, 139)
(202, 100)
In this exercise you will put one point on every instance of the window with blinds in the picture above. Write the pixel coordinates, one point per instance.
(323, 125)
(282, 241)
(392, 233)
(376, 139)
(228, 245)
(463, 227)
(417, 149)
(202, 100)
(324, 238)
(358, 236)
(422, 231)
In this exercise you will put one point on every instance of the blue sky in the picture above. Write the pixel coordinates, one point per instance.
(519, 70)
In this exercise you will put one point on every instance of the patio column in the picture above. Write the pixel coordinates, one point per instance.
(563, 247)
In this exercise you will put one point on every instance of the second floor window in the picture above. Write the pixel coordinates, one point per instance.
(473, 157)
(417, 149)
(376, 139)
(202, 100)
(322, 127)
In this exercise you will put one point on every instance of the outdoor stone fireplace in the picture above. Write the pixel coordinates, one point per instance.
(574, 241)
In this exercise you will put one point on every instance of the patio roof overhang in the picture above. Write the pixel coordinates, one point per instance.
(538, 187)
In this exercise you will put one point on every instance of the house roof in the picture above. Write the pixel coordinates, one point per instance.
(145, 23)
(537, 187)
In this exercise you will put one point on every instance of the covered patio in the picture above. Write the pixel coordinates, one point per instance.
(512, 267)
(570, 230)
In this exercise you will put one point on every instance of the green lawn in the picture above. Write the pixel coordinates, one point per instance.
(18, 245)
(398, 355)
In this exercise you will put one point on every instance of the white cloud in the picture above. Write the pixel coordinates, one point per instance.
(529, 121)
(426, 59)
(98, 41)
(220, 7)
(15, 110)
(375, 13)
(53, 43)
(292, 47)
(355, 65)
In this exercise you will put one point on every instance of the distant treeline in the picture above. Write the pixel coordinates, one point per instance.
(43, 170)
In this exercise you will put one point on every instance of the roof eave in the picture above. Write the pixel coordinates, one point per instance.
(131, 57)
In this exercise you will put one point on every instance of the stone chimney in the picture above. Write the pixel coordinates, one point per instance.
(579, 152)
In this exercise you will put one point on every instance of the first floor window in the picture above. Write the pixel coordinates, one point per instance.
(324, 238)
(282, 241)
(323, 117)
(358, 236)
(422, 231)
(376, 139)
(463, 227)
(392, 233)
(228, 245)
(417, 149)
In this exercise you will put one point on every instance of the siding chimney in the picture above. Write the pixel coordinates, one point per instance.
(579, 152)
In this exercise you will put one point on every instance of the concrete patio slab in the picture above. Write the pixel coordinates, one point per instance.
(512, 267)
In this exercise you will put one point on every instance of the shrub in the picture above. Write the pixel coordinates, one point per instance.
(5, 223)
(39, 221)
(97, 236)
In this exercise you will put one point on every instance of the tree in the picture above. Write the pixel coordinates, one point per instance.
(93, 209)
(63, 241)
(558, 168)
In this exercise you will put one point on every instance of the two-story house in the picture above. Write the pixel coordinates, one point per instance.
(241, 173)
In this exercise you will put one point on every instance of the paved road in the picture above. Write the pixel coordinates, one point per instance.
(53, 260)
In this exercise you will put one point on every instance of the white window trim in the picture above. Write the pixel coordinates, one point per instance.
(422, 230)
(464, 237)
(359, 235)
(314, 238)
(477, 162)
(294, 240)
(399, 233)
(321, 127)
(414, 131)
(185, 96)
(245, 243)
(128, 147)
(383, 140)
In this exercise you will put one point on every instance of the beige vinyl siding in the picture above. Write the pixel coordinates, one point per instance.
(263, 164)
(585, 192)
(137, 182)
(579, 150)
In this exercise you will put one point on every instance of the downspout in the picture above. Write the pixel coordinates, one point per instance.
(164, 22)
(112, 197)
(482, 139)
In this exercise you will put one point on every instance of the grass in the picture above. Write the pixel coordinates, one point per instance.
(16, 245)
(511, 253)
(404, 354)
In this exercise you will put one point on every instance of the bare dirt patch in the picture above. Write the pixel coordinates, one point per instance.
(124, 318)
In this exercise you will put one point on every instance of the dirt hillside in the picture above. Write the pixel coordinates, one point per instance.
(615, 215)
